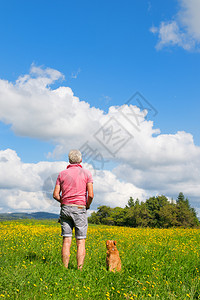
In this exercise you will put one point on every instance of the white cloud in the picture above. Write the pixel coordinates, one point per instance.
(29, 187)
(109, 190)
(34, 109)
(148, 162)
(189, 17)
(169, 34)
(183, 30)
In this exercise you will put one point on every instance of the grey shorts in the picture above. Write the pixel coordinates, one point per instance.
(73, 216)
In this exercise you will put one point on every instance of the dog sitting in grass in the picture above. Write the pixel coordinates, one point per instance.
(113, 260)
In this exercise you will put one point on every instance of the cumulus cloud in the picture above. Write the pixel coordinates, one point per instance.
(29, 187)
(148, 161)
(183, 30)
(34, 109)
(166, 164)
(109, 190)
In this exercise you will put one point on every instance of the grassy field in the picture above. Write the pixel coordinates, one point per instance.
(157, 263)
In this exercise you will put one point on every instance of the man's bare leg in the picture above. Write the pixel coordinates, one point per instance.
(66, 250)
(80, 256)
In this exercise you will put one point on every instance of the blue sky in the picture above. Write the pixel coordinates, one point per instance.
(104, 52)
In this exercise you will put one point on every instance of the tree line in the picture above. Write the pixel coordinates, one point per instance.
(155, 212)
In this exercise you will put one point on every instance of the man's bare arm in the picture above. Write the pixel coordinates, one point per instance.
(90, 194)
(56, 193)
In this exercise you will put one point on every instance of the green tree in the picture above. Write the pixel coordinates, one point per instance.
(180, 198)
(137, 215)
(168, 215)
(155, 212)
(130, 202)
(105, 215)
(186, 216)
(118, 215)
(94, 219)
(154, 205)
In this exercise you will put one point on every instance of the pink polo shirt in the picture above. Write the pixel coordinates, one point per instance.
(73, 183)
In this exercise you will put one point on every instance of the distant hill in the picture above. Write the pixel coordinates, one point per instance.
(36, 215)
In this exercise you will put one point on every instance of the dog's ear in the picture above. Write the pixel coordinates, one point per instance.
(107, 242)
(115, 243)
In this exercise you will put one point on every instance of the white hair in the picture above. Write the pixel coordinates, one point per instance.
(75, 157)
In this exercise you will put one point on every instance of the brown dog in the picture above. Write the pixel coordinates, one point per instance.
(113, 260)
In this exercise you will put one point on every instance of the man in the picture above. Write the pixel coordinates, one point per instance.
(74, 190)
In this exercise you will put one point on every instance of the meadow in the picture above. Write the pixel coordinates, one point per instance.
(157, 263)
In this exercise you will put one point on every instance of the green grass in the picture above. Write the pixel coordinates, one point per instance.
(157, 263)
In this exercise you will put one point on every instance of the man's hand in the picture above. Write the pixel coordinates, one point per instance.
(56, 193)
(90, 194)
